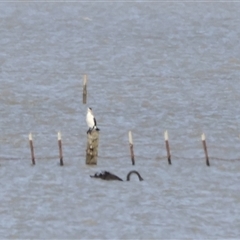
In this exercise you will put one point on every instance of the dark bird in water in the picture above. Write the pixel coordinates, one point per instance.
(91, 121)
(105, 175)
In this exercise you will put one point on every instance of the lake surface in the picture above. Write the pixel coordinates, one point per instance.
(151, 66)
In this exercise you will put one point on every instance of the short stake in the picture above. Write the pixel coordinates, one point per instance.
(131, 147)
(167, 147)
(60, 148)
(205, 149)
(31, 148)
(92, 147)
(84, 89)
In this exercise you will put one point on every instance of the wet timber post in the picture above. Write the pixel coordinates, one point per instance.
(84, 89)
(131, 147)
(205, 149)
(92, 147)
(31, 148)
(167, 147)
(60, 148)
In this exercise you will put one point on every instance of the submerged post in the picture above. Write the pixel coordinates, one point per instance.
(92, 147)
(60, 148)
(84, 89)
(131, 147)
(205, 149)
(167, 147)
(31, 148)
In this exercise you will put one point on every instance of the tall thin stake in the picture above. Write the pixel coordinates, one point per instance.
(31, 148)
(167, 147)
(131, 147)
(205, 149)
(60, 148)
(84, 89)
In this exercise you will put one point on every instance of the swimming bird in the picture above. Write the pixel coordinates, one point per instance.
(105, 175)
(91, 121)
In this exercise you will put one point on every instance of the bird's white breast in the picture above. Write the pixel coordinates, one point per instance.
(90, 120)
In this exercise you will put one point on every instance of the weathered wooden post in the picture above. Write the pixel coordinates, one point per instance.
(131, 147)
(31, 148)
(167, 147)
(84, 89)
(60, 148)
(92, 147)
(205, 149)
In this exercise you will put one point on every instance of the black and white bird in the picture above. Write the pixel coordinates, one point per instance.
(91, 121)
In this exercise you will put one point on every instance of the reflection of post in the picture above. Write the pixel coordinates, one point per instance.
(84, 89)
(60, 148)
(167, 147)
(31, 148)
(131, 147)
(92, 147)
(205, 149)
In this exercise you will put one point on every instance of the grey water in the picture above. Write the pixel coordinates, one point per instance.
(151, 66)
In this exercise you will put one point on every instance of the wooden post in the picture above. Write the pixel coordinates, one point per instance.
(60, 148)
(92, 147)
(167, 147)
(205, 149)
(31, 148)
(84, 89)
(131, 147)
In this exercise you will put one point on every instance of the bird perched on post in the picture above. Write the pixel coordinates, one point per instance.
(91, 121)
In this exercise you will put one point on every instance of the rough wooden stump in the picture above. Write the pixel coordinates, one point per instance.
(131, 147)
(92, 147)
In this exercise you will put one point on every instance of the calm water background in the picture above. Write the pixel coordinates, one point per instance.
(151, 67)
